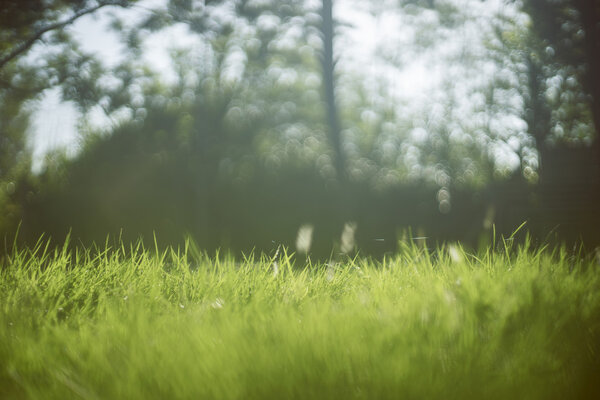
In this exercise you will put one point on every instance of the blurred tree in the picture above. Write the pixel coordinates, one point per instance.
(537, 68)
(240, 148)
(24, 78)
(550, 65)
(443, 136)
(25, 22)
(327, 28)
(570, 31)
(242, 108)
(60, 62)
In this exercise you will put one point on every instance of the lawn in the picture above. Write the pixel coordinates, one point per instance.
(134, 323)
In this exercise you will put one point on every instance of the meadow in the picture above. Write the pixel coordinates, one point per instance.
(126, 322)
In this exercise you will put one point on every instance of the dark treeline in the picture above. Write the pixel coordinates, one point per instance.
(140, 182)
(264, 130)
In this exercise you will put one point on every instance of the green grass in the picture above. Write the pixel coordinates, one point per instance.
(140, 324)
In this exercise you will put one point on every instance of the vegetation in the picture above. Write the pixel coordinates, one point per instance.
(266, 123)
(135, 323)
(263, 133)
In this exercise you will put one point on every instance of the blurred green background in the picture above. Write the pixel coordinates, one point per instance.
(344, 125)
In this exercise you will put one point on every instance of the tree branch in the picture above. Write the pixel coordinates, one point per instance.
(26, 45)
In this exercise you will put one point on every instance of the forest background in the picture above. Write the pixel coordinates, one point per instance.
(266, 131)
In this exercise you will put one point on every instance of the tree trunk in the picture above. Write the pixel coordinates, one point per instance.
(538, 115)
(327, 32)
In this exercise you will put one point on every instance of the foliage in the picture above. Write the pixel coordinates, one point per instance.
(120, 322)
(568, 29)
(234, 149)
(24, 79)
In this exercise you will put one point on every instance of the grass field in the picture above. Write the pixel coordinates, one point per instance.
(142, 324)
